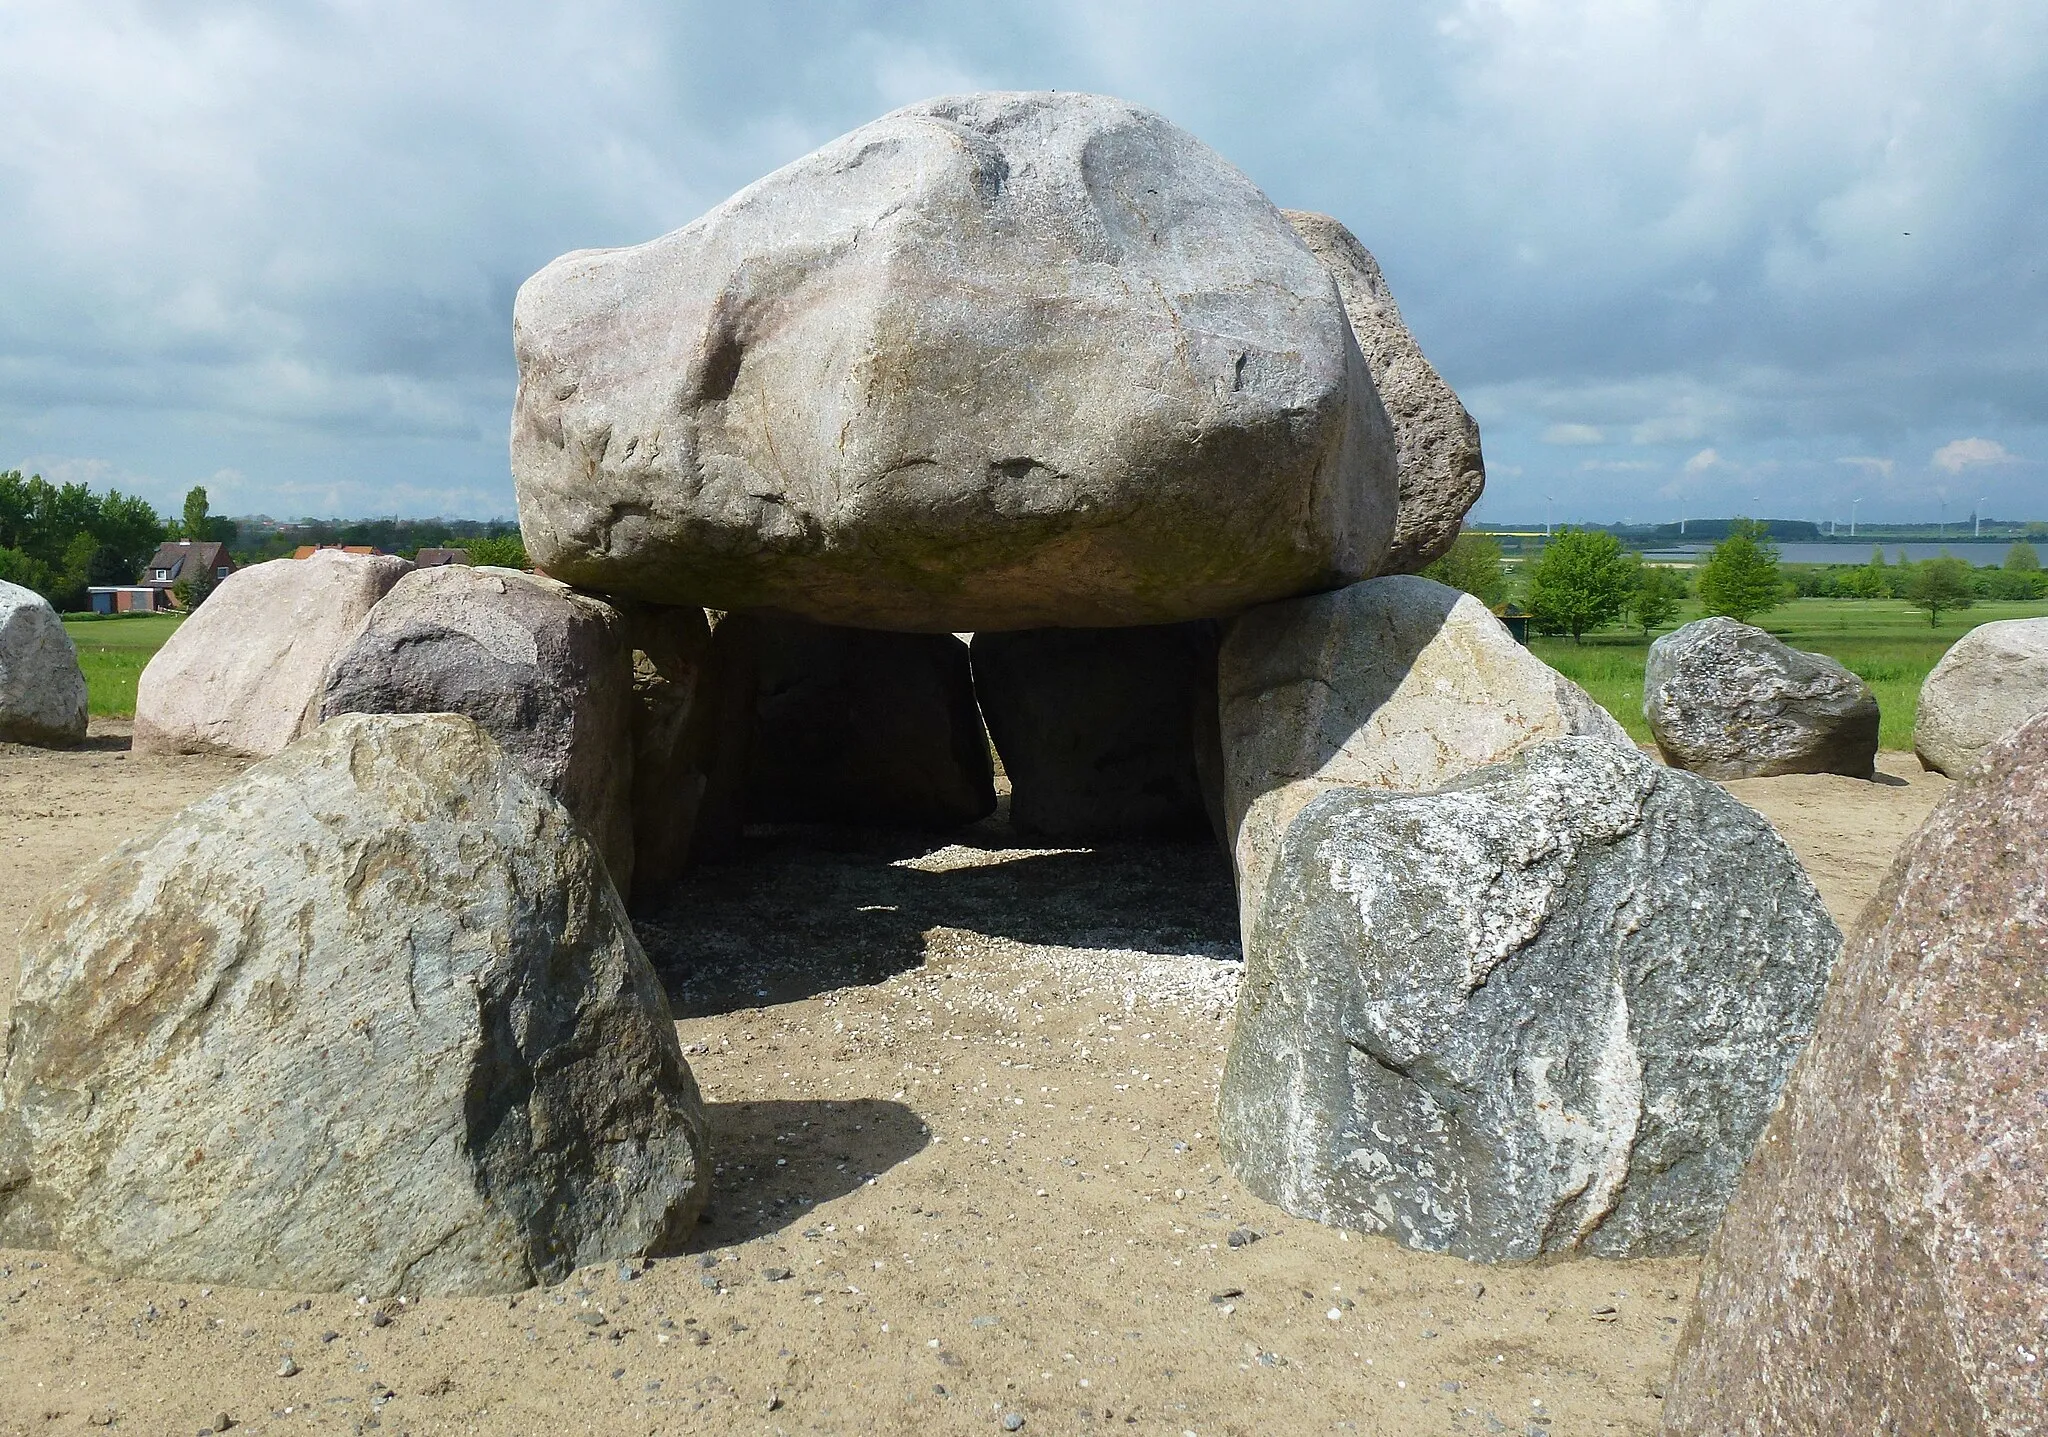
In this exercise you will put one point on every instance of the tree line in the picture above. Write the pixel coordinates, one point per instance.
(60, 539)
(63, 539)
(1585, 579)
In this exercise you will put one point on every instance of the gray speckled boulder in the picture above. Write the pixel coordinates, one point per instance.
(1096, 727)
(1992, 680)
(42, 689)
(1442, 473)
(1730, 701)
(547, 671)
(1396, 683)
(370, 1017)
(994, 361)
(1545, 1009)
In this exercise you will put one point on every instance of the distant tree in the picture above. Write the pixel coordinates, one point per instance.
(1655, 599)
(65, 538)
(1473, 565)
(2021, 559)
(1740, 578)
(17, 567)
(507, 551)
(198, 524)
(1861, 581)
(194, 591)
(1581, 580)
(1938, 584)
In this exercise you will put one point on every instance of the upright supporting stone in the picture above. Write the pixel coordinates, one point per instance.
(1096, 727)
(858, 726)
(544, 669)
(1399, 683)
(1544, 1009)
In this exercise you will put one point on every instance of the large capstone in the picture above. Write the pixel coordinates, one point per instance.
(547, 672)
(1881, 1268)
(1992, 680)
(1727, 700)
(1399, 683)
(245, 673)
(857, 726)
(1441, 471)
(42, 689)
(369, 1018)
(1546, 1009)
(1096, 727)
(993, 361)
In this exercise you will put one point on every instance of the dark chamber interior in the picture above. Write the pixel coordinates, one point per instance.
(864, 804)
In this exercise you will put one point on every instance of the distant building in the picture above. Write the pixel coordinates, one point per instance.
(1517, 620)
(435, 558)
(307, 551)
(154, 591)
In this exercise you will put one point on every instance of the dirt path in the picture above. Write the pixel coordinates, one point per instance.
(962, 1097)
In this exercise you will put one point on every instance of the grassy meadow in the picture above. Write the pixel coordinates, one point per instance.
(113, 651)
(1886, 642)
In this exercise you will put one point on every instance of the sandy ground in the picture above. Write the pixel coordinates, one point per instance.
(962, 1098)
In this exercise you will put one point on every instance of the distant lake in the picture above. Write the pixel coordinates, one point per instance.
(1858, 552)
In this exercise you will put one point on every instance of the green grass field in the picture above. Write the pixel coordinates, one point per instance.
(1885, 641)
(113, 652)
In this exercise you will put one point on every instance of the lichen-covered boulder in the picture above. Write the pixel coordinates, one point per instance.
(1884, 1265)
(1544, 1009)
(993, 361)
(1397, 683)
(369, 1018)
(857, 726)
(1441, 471)
(42, 689)
(1727, 700)
(1992, 680)
(244, 673)
(547, 671)
(1096, 727)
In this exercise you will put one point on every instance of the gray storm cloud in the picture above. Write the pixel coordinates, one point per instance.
(273, 247)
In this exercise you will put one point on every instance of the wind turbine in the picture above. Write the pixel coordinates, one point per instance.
(1852, 516)
(1549, 508)
(1977, 519)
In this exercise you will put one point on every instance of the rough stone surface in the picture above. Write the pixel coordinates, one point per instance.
(1992, 680)
(1442, 473)
(1397, 683)
(244, 674)
(673, 754)
(858, 726)
(547, 672)
(370, 1017)
(1882, 1266)
(1730, 701)
(42, 689)
(1096, 727)
(993, 361)
(1545, 1009)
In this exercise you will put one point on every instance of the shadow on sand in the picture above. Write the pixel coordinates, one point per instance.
(828, 1149)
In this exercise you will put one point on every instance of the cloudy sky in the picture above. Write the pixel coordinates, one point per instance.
(1697, 257)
